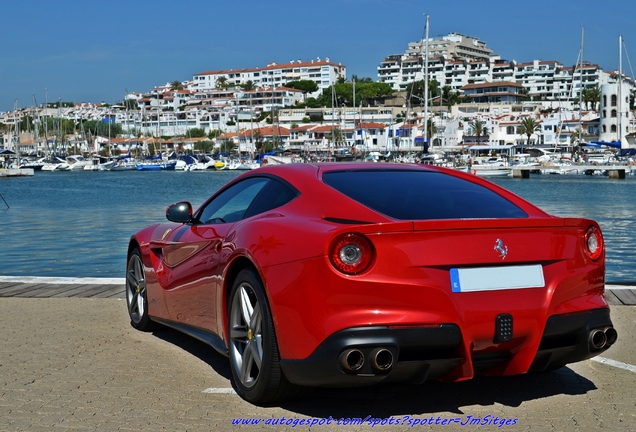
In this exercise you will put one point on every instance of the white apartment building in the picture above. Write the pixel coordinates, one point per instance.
(323, 72)
(457, 60)
(454, 45)
(268, 98)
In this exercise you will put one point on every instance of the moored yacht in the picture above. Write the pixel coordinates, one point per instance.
(77, 162)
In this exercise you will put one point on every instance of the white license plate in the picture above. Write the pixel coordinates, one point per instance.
(497, 278)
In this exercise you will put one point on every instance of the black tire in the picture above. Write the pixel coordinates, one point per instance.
(253, 349)
(136, 294)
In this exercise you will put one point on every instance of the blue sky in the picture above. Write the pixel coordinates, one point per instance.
(93, 51)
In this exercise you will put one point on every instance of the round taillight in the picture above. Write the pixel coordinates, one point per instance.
(594, 242)
(351, 253)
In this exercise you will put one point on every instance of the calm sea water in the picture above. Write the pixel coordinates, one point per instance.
(77, 224)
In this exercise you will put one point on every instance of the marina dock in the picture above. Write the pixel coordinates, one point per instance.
(611, 171)
(52, 287)
(16, 172)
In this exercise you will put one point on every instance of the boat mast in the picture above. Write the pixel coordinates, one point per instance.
(332, 140)
(48, 153)
(426, 86)
(252, 144)
(620, 85)
(36, 126)
(581, 86)
(16, 133)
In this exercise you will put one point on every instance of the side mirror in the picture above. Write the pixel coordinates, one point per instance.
(180, 212)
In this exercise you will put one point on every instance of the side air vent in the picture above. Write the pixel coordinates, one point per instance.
(346, 221)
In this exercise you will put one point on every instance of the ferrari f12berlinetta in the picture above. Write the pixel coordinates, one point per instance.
(352, 274)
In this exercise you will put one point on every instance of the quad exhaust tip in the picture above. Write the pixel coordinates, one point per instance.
(353, 360)
(381, 359)
(602, 338)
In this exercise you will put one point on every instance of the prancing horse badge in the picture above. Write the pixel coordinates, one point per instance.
(501, 248)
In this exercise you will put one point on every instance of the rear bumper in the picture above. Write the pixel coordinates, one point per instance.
(369, 355)
(416, 354)
(567, 339)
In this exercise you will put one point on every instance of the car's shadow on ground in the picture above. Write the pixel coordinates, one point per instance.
(195, 347)
(382, 401)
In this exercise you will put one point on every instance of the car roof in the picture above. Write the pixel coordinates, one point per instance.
(307, 176)
(313, 168)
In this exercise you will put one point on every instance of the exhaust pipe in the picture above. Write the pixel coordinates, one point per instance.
(602, 339)
(352, 360)
(611, 335)
(381, 359)
(597, 339)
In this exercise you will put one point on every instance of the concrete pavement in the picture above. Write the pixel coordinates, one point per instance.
(75, 363)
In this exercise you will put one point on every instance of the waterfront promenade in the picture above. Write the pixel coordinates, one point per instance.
(70, 360)
(56, 287)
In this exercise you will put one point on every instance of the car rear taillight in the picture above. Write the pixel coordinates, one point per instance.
(594, 242)
(351, 253)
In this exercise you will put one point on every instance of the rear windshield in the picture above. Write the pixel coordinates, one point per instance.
(421, 195)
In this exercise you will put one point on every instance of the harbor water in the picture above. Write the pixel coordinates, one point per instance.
(77, 224)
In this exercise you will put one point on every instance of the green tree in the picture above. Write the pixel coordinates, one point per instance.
(26, 124)
(591, 96)
(221, 82)
(176, 85)
(248, 86)
(478, 128)
(204, 146)
(306, 86)
(196, 133)
(360, 80)
(215, 133)
(415, 90)
(528, 127)
(336, 136)
(450, 97)
(312, 103)
(366, 92)
(130, 104)
(95, 127)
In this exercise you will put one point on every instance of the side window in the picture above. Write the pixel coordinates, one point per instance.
(231, 204)
(273, 195)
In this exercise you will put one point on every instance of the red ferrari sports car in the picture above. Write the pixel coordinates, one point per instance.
(352, 274)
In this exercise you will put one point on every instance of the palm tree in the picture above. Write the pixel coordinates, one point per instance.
(478, 128)
(176, 85)
(221, 82)
(451, 97)
(336, 136)
(592, 96)
(256, 137)
(529, 126)
(249, 85)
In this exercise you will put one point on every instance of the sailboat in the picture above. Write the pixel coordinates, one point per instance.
(619, 106)
(422, 139)
(156, 163)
